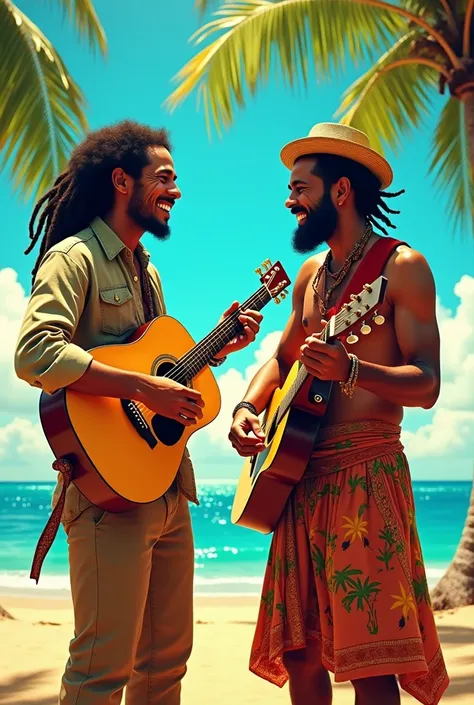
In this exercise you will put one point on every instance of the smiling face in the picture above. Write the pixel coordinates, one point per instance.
(312, 204)
(155, 194)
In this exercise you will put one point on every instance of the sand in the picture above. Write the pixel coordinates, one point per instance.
(34, 648)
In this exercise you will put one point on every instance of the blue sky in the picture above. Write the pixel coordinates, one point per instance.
(231, 217)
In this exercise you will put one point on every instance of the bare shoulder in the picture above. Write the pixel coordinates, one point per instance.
(410, 278)
(309, 268)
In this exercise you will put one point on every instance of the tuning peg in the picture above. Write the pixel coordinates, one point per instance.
(367, 288)
(352, 339)
(365, 329)
(259, 272)
(283, 294)
(277, 300)
(266, 264)
(378, 319)
(355, 297)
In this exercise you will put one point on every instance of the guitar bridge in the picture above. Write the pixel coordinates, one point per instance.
(138, 422)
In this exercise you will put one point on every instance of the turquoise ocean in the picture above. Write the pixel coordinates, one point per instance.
(229, 560)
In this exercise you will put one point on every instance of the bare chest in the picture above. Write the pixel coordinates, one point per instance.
(372, 337)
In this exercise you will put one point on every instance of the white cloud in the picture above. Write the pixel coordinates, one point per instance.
(15, 395)
(451, 429)
(24, 451)
(233, 385)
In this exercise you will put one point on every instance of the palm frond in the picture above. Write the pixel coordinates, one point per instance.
(388, 104)
(330, 33)
(41, 108)
(450, 165)
(82, 13)
(425, 8)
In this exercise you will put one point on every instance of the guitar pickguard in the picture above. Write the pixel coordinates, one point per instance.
(161, 428)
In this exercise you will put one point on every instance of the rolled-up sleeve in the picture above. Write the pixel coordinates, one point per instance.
(45, 356)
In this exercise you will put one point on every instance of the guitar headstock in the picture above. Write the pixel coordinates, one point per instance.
(275, 279)
(355, 317)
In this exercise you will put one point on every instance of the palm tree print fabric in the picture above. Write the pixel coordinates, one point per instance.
(346, 568)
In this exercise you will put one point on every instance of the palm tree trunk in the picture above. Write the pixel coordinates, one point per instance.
(467, 99)
(4, 614)
(456, 587)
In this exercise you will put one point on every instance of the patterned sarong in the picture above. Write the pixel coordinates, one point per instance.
(346, 568)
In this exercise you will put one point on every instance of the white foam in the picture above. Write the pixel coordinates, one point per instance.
(19, 582)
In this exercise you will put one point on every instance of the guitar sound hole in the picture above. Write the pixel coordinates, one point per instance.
(168, 431)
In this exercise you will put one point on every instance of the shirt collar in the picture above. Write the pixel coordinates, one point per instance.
(112, 244)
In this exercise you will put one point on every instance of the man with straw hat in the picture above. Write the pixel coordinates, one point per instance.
(345, 588)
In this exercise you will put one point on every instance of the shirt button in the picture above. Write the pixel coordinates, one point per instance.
(116, 297)
(135, 278)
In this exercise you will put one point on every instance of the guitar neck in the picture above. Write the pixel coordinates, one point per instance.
(198, 357)
(300, 379)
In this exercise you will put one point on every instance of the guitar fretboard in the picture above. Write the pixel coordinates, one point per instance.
(196, 359)
(300, 379)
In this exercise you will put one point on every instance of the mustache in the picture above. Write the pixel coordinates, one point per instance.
(298, 209)
(168, 199)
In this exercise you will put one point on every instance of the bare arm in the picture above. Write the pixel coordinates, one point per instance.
(412, 293)
(273, 373)
(46, 358)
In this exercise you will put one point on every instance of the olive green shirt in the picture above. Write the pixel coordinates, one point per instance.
(86, 293)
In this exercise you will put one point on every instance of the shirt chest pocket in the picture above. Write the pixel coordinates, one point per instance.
(117, 310)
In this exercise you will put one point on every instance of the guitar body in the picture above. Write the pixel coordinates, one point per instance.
(115, 466)
(268, 478)
(295, 413)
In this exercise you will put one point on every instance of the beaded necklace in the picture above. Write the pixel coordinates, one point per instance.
(341, 274)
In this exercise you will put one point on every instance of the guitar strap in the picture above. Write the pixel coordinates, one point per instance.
(370, 268)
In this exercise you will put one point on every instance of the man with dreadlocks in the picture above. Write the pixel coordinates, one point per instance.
(93, 284)
(345, 588)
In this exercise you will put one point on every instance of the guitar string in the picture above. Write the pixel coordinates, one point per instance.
(265, 291)
(215, 336)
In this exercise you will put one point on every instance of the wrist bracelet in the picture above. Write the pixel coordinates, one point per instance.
(245, 405)
(347, 388)
(217, 361)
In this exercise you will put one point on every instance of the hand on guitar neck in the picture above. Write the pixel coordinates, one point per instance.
(162, 395)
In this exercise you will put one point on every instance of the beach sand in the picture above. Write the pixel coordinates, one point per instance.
(34, 648)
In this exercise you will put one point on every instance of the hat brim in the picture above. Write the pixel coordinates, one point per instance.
(341, 148)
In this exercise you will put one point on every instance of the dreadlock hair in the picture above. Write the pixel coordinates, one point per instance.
(85, 190)
(369, 199)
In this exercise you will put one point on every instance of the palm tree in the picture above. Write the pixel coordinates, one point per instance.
(41, 107)
(417, 48)
(456, 587)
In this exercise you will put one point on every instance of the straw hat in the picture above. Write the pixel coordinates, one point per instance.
(343, 141)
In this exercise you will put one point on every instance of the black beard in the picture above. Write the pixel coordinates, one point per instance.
(318, 227)
(150, 223)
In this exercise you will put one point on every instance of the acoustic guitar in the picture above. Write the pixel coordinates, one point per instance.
(122, 453)
(292, 421)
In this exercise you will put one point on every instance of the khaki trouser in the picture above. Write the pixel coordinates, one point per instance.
(132, 590)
